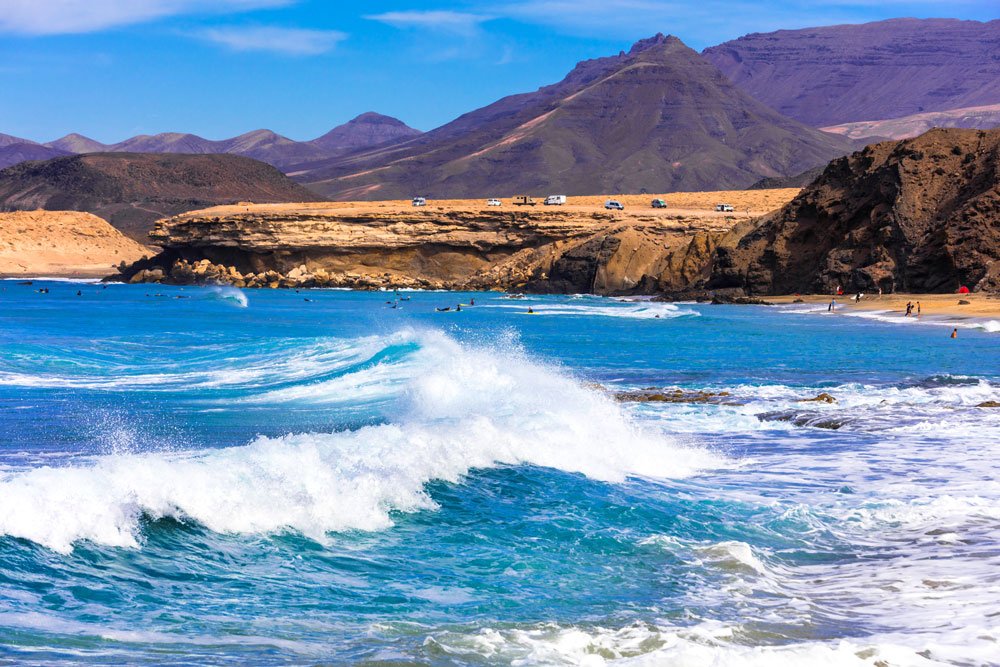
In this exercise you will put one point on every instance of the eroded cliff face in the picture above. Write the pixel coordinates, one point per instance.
(920, 215)
(543, 250)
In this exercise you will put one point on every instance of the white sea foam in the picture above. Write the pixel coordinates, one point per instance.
(466, 408)
(241, 368)
(642, 310)
(704, 645)
(895, 317)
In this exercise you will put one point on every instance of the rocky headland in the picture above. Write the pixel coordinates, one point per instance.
(920, 215)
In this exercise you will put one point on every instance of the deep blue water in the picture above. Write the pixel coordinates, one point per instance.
(273, 477)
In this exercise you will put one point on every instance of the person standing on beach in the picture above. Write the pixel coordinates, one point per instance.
(918, 309)
(832, 307)
(909, 309)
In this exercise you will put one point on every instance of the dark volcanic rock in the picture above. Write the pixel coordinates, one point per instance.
(658, 118)
(843, 73)
(132, 190)
(656, 395)
(796, 181)
(920, 215)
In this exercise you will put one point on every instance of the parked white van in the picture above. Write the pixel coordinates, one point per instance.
(555, 200)
(724, 208)
(494, 202)
(614, 204)
(420, 201)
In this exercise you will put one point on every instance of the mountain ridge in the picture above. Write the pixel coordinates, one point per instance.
(880, 70)
(656, 118)
(363, 131)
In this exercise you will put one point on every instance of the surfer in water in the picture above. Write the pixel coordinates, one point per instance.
(530, 311)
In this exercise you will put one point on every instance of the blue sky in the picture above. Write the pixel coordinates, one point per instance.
(114, 68)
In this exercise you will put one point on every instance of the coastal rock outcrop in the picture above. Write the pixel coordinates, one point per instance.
(919, 215)
(328, 245)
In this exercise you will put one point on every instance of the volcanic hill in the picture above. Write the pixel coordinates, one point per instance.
(132, 190)
(659, 119)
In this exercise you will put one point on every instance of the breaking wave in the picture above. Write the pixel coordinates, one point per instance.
(459, 408)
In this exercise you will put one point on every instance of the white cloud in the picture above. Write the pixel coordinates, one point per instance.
(288, 41)
(460, 23)
(53, 17)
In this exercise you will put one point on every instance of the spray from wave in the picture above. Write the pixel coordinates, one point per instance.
(229, 294)
(459, 408)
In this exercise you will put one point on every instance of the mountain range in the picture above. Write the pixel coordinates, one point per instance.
(658, 118)
(368, 129)
(765, 108)
(872, 71)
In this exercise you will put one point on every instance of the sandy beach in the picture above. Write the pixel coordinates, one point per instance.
(938, 305)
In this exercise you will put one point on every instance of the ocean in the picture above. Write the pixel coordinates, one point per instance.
(208, 476)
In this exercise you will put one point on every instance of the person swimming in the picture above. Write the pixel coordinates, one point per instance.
(954, 333)
(458, 307)
(530, 311)
(472, 302)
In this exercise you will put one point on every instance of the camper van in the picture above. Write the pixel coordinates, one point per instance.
(419, 201)
(555, 200)
(524, 200)
(659, 203)
(724, 208)
(614, 204)
(493, 201)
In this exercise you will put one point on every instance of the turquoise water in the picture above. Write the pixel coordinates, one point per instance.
(272, 477)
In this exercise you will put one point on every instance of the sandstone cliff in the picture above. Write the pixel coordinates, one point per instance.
(577, 248)
(920, 215)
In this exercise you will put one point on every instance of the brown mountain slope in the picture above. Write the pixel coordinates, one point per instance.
(887, 69)
(367, 130)
(919, 215)
(131, 190)
(77, 143)
(658, 118)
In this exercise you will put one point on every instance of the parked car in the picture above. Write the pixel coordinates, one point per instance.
(614, 204)
(724, 208)
(494, 202)
(524, 200)
(659, 203)
(419, 201)
(555, 200)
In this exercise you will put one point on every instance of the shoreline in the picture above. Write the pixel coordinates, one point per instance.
(980, 305)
